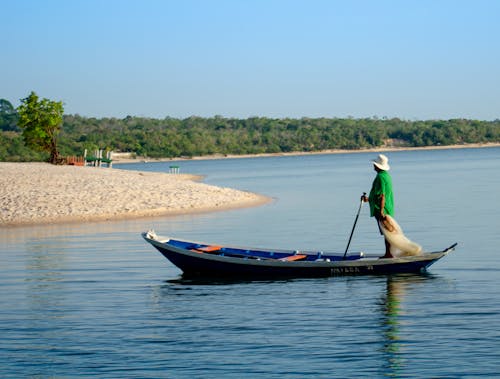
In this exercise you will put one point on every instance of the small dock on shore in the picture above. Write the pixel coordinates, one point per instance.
(99, 158)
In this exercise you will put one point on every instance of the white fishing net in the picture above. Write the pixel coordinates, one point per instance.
(401, 246)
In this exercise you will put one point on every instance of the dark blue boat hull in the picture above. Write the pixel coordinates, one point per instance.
(192, 266)
(198, 264)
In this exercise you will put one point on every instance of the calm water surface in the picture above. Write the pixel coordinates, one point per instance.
(93, 300)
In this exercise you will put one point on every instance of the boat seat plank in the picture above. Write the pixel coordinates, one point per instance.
(296, 257)
(207, 249)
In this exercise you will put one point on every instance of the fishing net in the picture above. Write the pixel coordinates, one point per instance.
(401, 246)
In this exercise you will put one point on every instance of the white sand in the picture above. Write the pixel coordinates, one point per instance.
(38, 193)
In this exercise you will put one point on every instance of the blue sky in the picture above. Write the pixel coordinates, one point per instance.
(412, 59)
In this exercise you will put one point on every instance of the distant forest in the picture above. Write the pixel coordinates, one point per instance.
(198, 136)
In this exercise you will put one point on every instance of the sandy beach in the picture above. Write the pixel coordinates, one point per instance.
(40, 193)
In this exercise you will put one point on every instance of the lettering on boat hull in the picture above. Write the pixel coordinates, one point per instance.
(350, 270)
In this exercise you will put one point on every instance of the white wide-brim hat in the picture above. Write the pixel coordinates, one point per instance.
(382, 162)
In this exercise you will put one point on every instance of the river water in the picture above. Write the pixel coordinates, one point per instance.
(94, 300)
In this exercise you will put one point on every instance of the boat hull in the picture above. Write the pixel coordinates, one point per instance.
(198, 264)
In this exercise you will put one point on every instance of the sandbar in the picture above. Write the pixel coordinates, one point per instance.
(41, 193)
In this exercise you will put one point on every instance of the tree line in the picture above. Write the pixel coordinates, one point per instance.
(198, 136)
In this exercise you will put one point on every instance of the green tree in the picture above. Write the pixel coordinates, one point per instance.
(8, 116)
(40, 121)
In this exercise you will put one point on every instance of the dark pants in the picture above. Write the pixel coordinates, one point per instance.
(387, 244)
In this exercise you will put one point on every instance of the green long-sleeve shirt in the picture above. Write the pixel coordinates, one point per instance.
(382, 185)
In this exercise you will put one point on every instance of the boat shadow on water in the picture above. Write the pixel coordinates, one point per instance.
(394, 281)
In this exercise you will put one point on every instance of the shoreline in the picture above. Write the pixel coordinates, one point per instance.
(301, 153)
(41, 193)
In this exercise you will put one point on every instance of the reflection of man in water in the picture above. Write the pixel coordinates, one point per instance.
(391, 309)
(381, 198)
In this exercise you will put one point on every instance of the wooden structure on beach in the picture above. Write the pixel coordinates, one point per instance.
(174, 169)
(75, 161)
(99, 158)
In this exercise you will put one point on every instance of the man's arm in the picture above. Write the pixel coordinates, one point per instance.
(382, 206)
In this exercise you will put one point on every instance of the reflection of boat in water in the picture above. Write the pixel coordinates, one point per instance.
(202, 259)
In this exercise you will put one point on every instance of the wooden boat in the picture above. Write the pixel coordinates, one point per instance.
(197, 259)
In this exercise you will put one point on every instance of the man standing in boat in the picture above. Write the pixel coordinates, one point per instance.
(381, 198)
